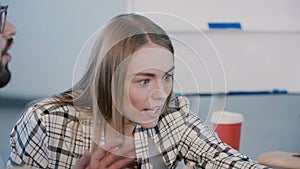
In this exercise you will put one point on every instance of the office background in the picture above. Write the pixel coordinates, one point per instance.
(50, 37)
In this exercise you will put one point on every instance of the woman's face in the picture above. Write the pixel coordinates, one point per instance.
(148, 83)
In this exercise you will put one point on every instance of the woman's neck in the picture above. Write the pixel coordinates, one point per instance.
(128, 128)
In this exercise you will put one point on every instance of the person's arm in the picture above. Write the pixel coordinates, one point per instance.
(106, 156)
(207, 150)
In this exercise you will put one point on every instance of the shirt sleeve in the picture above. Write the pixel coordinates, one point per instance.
(208, 151)
(29, 142)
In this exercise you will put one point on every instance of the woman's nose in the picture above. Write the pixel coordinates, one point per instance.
(9, 30)
(157, 97)
(158, 94)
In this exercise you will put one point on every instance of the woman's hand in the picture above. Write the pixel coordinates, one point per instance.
(108, 156)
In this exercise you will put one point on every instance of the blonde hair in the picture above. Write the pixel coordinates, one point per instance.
(93, 95)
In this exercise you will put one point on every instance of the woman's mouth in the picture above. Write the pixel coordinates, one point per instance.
(153, 112)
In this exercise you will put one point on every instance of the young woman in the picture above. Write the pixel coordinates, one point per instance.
(126, 93)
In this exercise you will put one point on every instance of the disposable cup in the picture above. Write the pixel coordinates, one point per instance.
(228, 126)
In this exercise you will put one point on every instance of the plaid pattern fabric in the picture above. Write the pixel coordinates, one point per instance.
(43, 139)
(181, 135)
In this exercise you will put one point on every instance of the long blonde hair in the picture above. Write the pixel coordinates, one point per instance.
(120, 38)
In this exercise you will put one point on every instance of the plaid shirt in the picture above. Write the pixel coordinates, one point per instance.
(43, 139)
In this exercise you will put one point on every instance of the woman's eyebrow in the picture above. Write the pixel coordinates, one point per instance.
(144, 74)
(171, 69)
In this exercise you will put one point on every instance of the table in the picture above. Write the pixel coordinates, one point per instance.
(280, 159)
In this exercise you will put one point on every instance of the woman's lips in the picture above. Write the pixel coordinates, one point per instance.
(152, 112)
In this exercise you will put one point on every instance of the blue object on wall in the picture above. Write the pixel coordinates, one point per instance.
(224, 25)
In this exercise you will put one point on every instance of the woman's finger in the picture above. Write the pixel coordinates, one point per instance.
(84, 161)
(121, 163)
(101, 151)
(120, 153)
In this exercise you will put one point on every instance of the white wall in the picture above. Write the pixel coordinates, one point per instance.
(50, 36)
(264, 55)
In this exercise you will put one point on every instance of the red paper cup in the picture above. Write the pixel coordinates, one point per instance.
(228, 126)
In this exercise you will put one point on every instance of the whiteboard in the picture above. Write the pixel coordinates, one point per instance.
(228, 61)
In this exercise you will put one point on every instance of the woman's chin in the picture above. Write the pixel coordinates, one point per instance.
(149, 124)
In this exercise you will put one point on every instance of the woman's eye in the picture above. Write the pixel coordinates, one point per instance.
(144, 82)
